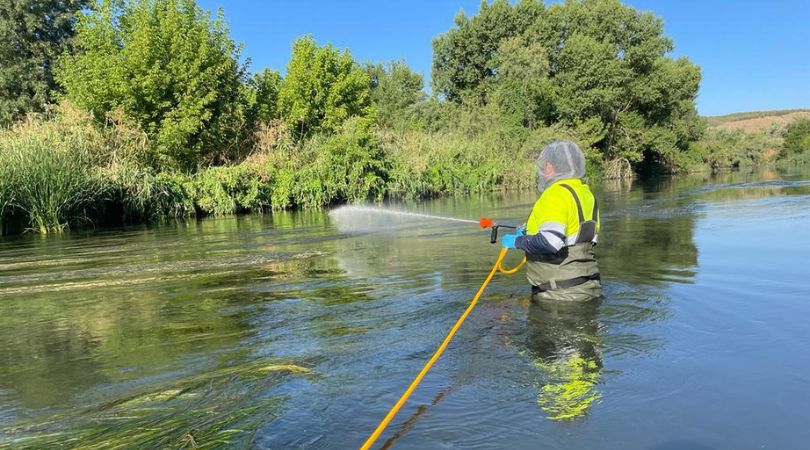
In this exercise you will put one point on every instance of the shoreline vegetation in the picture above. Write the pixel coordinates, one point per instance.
(140, 110)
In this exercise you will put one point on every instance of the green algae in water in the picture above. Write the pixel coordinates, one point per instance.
(220, 409)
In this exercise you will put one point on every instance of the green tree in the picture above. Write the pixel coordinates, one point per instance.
(323, 88)
(463, 57)
(797, 138)
(609, 61)
(576, 63)
(266, 84)
(395, 91)
(32, 35)
(172, 68)
(523, 92)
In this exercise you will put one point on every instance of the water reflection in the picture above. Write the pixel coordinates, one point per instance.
(164, 315)
(285, 329)
(564, 340)
(648, 234)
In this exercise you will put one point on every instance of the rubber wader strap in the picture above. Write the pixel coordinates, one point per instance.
(562, 284)
(576, 199)
(587, 230)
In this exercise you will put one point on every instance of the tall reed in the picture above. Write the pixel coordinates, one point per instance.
(50, 168)
(6, 194)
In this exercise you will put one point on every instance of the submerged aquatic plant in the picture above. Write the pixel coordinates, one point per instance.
(219, 409)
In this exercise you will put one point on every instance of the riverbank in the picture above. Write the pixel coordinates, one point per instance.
(66, 171)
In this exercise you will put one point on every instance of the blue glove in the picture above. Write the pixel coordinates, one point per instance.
(508, 240)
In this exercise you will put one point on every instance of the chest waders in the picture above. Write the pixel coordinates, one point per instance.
(571, 274)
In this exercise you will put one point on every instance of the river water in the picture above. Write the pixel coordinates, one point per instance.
(279, 331)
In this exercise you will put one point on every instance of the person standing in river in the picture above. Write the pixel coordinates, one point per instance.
(562, 230)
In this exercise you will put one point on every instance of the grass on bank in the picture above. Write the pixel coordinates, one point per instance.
(65, 170)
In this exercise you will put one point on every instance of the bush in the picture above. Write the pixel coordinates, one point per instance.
(723, 149)
(440, 163)
(347, 166)
(352, 165)
(477, 152)
(797, 139)
(456, 161)
(232, 189)
(63, 169)
(143, 195)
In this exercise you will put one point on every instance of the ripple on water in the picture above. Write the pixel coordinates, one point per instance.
(203, 326)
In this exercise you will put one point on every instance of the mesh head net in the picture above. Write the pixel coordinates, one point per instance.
(566, 160)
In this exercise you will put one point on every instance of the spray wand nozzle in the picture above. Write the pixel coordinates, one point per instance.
(489, 223)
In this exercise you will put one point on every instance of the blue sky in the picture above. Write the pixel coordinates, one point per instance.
(755, 55)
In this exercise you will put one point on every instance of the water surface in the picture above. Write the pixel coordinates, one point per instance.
(279, 331)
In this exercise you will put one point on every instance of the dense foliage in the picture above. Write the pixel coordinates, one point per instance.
(49, 172)
(169, 66)
(595, 62)
(797, 139)
(323, 87)
(32, 35)
(395, 91)
(160, 119)
(465, 58)
(722, 149)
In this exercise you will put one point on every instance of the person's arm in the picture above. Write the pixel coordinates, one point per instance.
(548, 216)
(547, 242)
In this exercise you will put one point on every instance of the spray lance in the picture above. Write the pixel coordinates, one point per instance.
(489, 223)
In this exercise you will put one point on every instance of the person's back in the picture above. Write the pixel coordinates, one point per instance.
(562, 229)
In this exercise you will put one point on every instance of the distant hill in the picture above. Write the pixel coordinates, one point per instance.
(754, 121)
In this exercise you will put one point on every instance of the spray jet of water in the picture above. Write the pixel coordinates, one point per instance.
(371, 218)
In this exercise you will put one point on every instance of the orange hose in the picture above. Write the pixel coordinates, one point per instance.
(402, 399)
